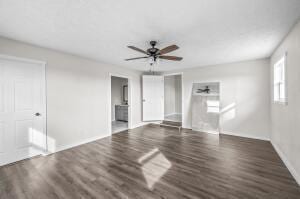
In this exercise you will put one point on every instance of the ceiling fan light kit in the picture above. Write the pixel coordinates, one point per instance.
(154, 53)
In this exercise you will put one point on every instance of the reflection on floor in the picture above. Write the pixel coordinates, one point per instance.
(174, 117)
(118, 126)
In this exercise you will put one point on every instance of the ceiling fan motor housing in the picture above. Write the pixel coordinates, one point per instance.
(153, 51)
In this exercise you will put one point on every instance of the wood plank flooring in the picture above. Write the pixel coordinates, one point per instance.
(154, 162)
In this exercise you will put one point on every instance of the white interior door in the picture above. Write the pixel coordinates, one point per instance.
(153, 98)
(22, 110)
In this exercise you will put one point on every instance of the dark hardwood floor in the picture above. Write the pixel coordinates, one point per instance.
(154, 162)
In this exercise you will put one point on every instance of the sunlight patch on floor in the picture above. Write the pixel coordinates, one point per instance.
(154, 166)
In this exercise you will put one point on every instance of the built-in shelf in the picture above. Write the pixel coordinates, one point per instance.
(207, 94)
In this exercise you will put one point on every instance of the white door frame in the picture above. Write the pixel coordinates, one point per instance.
(43, 64)
(129, 100)
(182, 92)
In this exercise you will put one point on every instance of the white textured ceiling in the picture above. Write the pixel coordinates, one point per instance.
(208, 32)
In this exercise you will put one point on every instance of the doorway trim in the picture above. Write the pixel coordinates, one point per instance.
(129, 100)
(182, 93)
(43, 64)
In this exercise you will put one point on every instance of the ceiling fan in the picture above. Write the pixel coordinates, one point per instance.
(156, 53)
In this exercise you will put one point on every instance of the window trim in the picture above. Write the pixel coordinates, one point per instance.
(281, 101)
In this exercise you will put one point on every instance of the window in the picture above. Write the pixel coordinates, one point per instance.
(280, 81)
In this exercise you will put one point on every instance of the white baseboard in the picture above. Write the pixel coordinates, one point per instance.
(166, 115)
(172, 114)
(287, 163)
(205, 131)
(138, 125)
(62, 148)
(233, 134)
(245, 136)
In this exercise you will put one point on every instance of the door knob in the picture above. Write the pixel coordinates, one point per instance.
(144, 100)
(37, 114)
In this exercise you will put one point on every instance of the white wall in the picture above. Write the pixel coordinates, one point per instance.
(245, 96)
(286, 119)
(77, 93)
(117, 84)
(172, 94)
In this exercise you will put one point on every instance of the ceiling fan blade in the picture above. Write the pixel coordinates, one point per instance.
(173, 58)
(168, 49)
(137, 49)
(135, 58)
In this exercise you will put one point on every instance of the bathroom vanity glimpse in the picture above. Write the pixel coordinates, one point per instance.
(121, 112)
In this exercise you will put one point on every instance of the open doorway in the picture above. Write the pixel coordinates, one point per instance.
(119, 104)
(173, 98)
